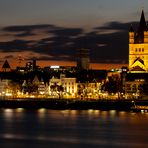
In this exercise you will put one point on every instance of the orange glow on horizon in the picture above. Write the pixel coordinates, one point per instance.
(97, 66)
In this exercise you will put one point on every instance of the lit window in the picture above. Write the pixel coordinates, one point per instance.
(134, 87)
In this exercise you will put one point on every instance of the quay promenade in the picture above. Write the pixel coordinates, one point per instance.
(60, 104)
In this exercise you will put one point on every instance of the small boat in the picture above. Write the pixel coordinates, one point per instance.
(140, 108)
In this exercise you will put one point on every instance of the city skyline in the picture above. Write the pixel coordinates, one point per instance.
(52, 31)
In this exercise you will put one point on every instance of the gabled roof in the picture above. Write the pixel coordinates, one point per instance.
(6, 65)
(140, 60)
(138, 65)
(137, 68)
(36, 79)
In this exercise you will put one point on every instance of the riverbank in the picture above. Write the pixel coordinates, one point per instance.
(58, 104)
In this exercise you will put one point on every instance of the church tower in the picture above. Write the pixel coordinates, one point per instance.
(138, 46)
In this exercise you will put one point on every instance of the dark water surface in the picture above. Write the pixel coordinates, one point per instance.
(44, 128)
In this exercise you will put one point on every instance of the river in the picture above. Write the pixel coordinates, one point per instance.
(44, 128)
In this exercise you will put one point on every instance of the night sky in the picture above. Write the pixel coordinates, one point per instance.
(54, 30)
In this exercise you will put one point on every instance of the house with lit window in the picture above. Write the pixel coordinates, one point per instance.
(65, 86)
(69, 86)
(89, 83)
(4, 87)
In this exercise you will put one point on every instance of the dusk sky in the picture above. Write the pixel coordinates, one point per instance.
(53, 30)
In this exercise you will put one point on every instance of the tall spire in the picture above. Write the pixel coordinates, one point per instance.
(142, 27)
(142, 24)
(131, 28)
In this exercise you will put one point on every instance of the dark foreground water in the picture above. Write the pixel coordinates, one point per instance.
(72, 129)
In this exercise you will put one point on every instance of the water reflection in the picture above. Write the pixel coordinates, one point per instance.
(72, 128)
(8, 114)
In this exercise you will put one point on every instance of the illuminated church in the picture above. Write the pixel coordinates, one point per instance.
(138, 47)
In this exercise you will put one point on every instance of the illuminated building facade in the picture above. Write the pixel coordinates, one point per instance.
(138, 47)
(69, 86)
(4, 91)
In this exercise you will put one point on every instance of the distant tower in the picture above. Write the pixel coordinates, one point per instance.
(34, 64)
(138, 46)
(83, 59)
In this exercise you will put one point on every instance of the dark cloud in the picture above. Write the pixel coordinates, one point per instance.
(114, 25)
(14, 46)
(63, 43)
(25, 34)
(108, 43)
(111, 47)
(67, 32)
(117, 26)
(28, 30)
(25, 28)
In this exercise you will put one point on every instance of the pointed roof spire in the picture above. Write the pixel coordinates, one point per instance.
(142, 27)
(131, 28)
(142, 24)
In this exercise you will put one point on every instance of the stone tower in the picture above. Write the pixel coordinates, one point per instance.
(138, 46)
(83, 59)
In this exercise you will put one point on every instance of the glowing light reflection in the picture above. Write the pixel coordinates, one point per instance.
(8, 110)
(73, 112)
(42, 110)
(112, 112)
(41, 113)
(20, 110)
(97, 112)
(90, 111)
